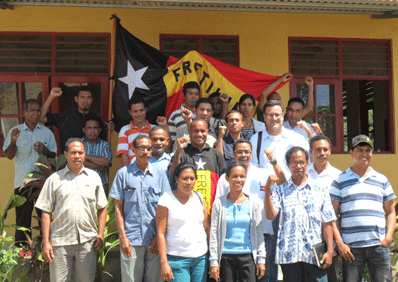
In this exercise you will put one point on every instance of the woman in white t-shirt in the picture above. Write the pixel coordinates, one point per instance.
(183, 226)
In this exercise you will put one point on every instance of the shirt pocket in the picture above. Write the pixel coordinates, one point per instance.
(89, 192)
(23, 146)
(153, 194)
(130, 195)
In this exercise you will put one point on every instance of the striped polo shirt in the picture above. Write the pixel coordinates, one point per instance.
(126, 137)
(177, 122)
(363, 222)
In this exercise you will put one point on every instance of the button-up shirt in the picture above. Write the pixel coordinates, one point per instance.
(25, 156)
(101, 148)
(140, 192)
(298, 130)
(280, 144)
(73, 201)
(162, 162)
(326, 177)
(302, 212)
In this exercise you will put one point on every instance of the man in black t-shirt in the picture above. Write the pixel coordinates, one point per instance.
(70, 123)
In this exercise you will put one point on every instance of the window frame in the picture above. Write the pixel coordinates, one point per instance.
(330, 79)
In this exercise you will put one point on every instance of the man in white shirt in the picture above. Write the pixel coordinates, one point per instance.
(276, 137)
(321, 171)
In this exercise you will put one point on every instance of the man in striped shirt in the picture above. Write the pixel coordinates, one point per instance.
(191, 94)
(138, 126)
(364, 200)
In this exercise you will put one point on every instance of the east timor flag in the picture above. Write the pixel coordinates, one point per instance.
(144, 71)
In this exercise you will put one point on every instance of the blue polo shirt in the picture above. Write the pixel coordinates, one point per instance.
(140, 193)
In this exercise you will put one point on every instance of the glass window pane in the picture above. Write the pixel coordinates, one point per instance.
(302, 92)
(9, 98)
(328, 127)
(325, 98)
(33, 90)
(5, 125)
(70, 90)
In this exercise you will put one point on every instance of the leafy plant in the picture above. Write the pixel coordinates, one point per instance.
(9, 253)
(111, 240)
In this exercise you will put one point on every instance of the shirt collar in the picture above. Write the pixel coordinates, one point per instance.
(191, 147)
(26, 127)
(165, 156)
(351, 173)
(311, 167)
(147, 125)
(136, 170)
(284, 133)
(66, 170)
(84, 138)
(291, 183)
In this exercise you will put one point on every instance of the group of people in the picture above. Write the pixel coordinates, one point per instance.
(210, 194)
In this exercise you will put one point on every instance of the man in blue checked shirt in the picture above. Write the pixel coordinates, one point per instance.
(98, 151)
(136, 189)
(364, 199)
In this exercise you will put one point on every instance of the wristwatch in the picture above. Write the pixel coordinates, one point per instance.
(274, 162)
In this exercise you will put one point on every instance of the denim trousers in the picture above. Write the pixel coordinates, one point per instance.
(189, 269)
(378, 260)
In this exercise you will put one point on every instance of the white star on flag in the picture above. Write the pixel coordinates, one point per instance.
(134, 79)
(200, 164)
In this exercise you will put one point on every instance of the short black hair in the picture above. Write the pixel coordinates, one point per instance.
(204, 101)
(272, 103)
(139, 137)
(242, 141)
(215, 95)
(84, 88)
(136, 100)
(155, 128)
(71, 140)
(190, 84)
(180, 168)
(233, 165)
(319, 137)
(247, 96)
(293, 150)
(232, 112)
(30, 101)
(197, 120)
(93, 118)
(296, 100)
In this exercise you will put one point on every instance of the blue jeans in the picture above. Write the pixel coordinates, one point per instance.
(302, 271)
(271, 268)
(378, 260)
(188, 269)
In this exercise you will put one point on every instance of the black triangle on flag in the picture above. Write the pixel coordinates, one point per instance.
(139, 70)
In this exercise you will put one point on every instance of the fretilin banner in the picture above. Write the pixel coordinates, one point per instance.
(144, 71)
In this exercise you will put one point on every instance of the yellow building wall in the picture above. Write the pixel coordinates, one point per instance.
(263, 41)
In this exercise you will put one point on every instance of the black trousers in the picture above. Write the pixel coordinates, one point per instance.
(24, 216)
(237, 266)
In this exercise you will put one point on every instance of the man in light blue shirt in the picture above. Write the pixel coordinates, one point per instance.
(160, 141)
(24, 144)
(136, 189)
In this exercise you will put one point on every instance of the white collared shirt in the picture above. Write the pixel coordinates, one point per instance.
(297, 129)
(326, 177)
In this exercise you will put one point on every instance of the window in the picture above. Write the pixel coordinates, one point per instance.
(32, 63)
(223, 48)
(352, 88)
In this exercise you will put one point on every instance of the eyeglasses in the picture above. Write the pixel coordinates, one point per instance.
(297, 164)
(273, 115)
(142, 148)
(241, 152)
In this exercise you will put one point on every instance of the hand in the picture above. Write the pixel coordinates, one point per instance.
(167, 272)
(304, 126)
(272, 179)
(316, 128)
(327, 260)
(186, 115)
(260, 270)
(162, 121)
(48, 252)
(286, 77)
(15, 134)
(386, 242)
(110, 126)
(270, 154)
(154, 246)
(215, 272)
(309, 81)
(56, 91)
(40, 148)
(222, 130)
(224, 98)
(125, 246)
(99, 243)
(345, 252)
(182, 142)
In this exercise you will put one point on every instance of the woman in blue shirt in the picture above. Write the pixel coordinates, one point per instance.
(236, 236)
